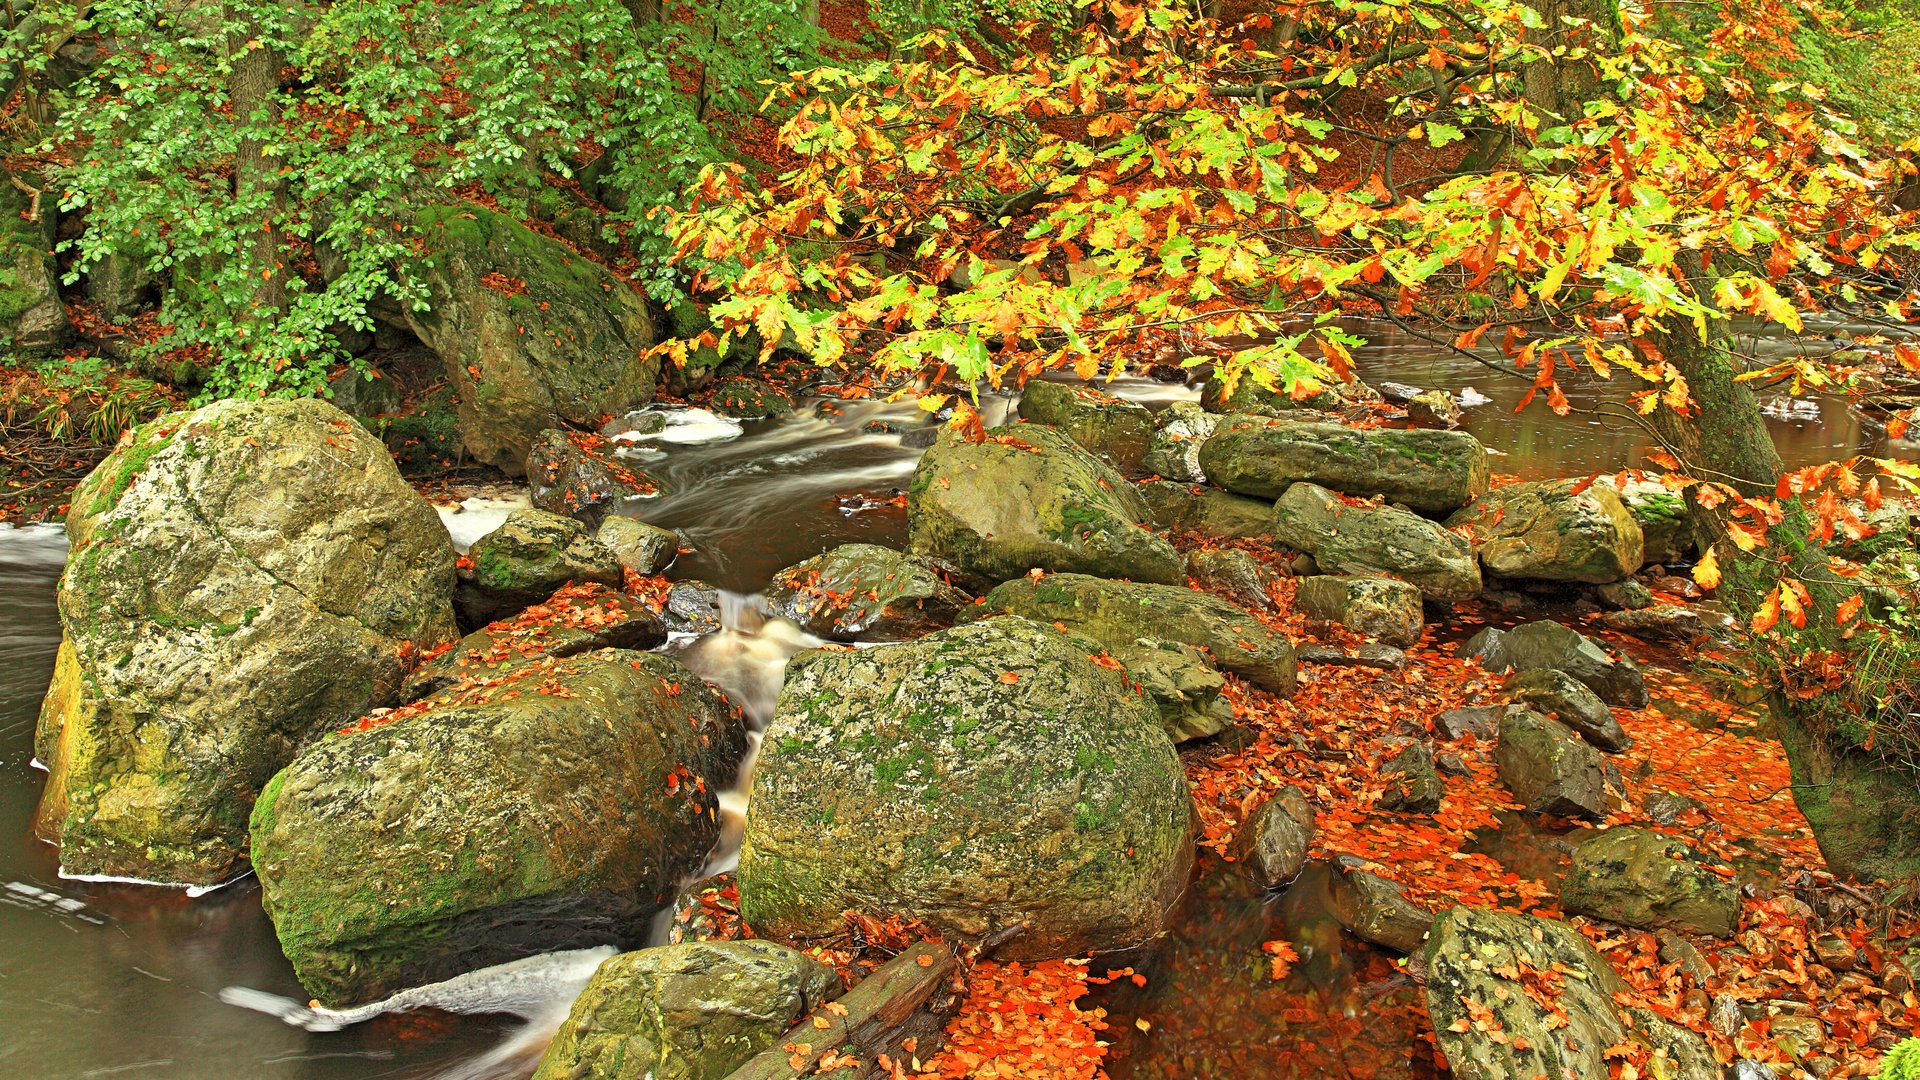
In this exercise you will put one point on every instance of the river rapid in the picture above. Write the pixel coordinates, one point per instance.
(117, 980)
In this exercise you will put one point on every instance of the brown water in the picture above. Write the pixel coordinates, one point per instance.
(104, 980)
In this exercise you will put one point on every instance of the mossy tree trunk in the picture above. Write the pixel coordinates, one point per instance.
(1561, 84)
(253, 86)
(1864, 809)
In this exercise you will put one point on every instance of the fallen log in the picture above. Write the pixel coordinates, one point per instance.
(892, 1018)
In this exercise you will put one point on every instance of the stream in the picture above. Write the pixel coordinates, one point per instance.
(115, 980)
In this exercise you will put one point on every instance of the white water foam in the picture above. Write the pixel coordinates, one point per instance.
(687, 427)
(475, 517)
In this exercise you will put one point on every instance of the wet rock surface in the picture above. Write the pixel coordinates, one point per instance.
(1348, 537)
(1432, 472)
(1549, 645)
(1549, 768)
(1560, 530)
(1636, 877)
(863, 592)
(1117, 432)
(532, 554)
(1383, 608)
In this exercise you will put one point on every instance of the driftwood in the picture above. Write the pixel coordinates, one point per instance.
(896, 1013)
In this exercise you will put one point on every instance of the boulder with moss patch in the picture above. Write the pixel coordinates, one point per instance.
(1206, 510)
(533, 335)
(864, 592)
(577, 619)
(578, 473)
(242, 577)
(1666, 532)
(990, 779)
(532, 554)
(1640, 878)
(558, 806)
(1117, 432)
(1346, 536)
(1432, 472)
(1179, 430)
(32, 316)
(1386, 609)
(1117, 613)
(1553, 530)
(1028, 497)
(694, 1011)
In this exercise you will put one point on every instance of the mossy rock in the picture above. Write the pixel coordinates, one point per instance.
(864, 592)
(1550, 645)
(749, 399)
(241, 578)
(1117, 432)
(1179, 431)
(533, 335)
(988, 779)
(578, 473)
(1548, 768)
(1249, 396)
(1568, 700)
(577, 619)
(1637, 877)
(1553, 530)
(556, 807)
(532, 554)
(1206, 510)
(694, 1011)
(1349, 537)
(1028, 496)
(1117, 613)
(642, 548)
(1386, 609)
(1431, 472)
(1666, 530)
(32, 317)
(1481, 961)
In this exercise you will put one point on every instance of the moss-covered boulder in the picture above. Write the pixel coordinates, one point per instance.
(532, 554)
(533, 335)
(1027, 496)
(242, 578)
(1377, 910)
(1179, 430)
(1385, 609)
(1247, 395)
(1182, 684)
(1208, 511)
(695, 1011)
(1637, 877)
(1568, 700)
(990, 779)
(1117, 613)
(1546, 644)
(1553, 530)
(1520, 996)
(577, 619)
(1237, 574)
(558, 806)
(864, 592)
(1548, 768)
(1117, 432)
(1432, 472)
(1346, 536)
(749, 399)
(577, 473)
(1666, 532)
(32, 318)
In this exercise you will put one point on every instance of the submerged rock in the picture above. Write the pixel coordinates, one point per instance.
(1116, 613)
(557, 807)
(1555, 647)
(1386, 609)
(863, 592)
(685, 1012)
(1433, 472)
(1549, 769)
(1345, 537)
(1377, 910)
(242, 578)
(1481, 961)
(1566, 699)
(576, 473)
(523, 561)
(1028, 497)
(532, 335)
(990, 779)
(1117, 432)
(1636, 877)
(1273, 845)
(1179, 431)
(1554, 530)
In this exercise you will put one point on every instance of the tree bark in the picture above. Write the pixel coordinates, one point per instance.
(253, 86)
(1561, 85)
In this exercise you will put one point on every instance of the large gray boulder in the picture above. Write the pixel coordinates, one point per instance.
(1349, 537)
(864, 592)
(1116, 613)
(1548, 768)
(1638, 877)
(532, 334)
(990, 779)
(1550, 645)
(1027, 496)
(1520, 996)
(1432, 472)
(694, 1011)
(1666, 530)
(1117, 432)
(1553, 530)
(242, 578)
(557, 806)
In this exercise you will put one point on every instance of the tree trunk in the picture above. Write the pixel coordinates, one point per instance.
(253, 87)
(1561, 85)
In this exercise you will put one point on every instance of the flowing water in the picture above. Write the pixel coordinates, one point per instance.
(113, 980)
